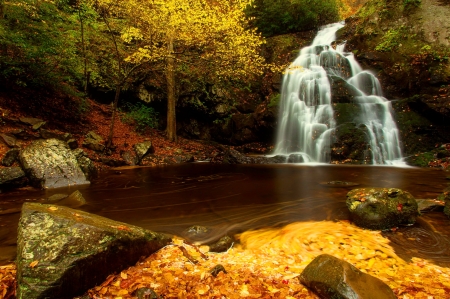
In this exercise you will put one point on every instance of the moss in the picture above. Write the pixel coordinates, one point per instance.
(274, 100)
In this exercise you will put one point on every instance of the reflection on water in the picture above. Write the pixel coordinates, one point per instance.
(235, 198)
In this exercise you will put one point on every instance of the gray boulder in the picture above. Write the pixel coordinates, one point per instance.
(382, 208)
(12, 177)
(330, 277)
(94, 142)
(86, 164)
(10, 157)
(51, 164)
(63, 252)
(142, 149)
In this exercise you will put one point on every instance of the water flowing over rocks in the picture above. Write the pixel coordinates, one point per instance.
(51, 164)
(381, 208)
(63, 252)
(330, 277)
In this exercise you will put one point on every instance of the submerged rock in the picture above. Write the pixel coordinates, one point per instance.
(63, 252)
(51, 164)
(330, 277)
(222, 245)
(382, 208)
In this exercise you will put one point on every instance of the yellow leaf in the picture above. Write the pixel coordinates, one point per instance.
(53, 208)
(34, 264)
(123, 275)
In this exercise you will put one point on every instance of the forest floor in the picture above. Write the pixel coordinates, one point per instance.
(61, 115)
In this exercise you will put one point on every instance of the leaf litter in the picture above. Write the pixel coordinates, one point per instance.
(267, 262)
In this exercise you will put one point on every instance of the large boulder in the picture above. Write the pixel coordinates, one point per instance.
(382, 208)
(330, 277)
(12, 177)
(63, 252)
(86, 164)
(142, 149)
(51, 164)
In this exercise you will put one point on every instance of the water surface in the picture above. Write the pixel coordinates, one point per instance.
(235, 198)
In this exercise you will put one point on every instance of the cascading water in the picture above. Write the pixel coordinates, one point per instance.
(307, 123)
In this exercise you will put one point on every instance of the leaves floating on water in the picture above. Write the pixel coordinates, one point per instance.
(268, 260)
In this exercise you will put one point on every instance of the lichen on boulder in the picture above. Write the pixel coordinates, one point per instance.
(63, 252)
(381, 208)
(51, 164)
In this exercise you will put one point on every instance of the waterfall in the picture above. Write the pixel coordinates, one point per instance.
(307, 124)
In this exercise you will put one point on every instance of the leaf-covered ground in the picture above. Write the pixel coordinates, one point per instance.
(267, 262)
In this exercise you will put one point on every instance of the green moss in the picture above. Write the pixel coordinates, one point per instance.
(274, 100)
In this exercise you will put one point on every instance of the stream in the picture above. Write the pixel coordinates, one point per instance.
(234, 198)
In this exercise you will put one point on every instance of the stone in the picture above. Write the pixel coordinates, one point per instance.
(38, 125)
(86, 164)
(12, 177)
(381, 208)
(51, 164)
(9, 140)
(145, 293)
(142, 149)
(72, 143)
(197, 233)
(330, 277)
(63, 252)
(222, 245)
(74, 200)
(94, 142)
(445, 196)
(129, 158)
(30, 120)
(10, 157)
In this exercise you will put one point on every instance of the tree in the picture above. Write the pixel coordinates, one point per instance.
(209, 37)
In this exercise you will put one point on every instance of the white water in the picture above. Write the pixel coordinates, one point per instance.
(307, 123)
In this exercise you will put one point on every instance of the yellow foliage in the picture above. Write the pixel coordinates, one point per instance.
(208, 34)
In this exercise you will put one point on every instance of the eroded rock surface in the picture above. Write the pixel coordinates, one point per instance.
(331, 277)
(51, 164)
(382, 208)
(62, 252)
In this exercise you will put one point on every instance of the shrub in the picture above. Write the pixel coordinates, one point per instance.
(141, 115)
(273, 17)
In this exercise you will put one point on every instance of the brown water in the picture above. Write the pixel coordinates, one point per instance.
(235, 198)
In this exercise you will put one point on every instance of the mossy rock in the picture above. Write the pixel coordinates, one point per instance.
(62, 252)
(382, 208)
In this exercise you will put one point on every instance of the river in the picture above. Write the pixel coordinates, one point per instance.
(235, 198)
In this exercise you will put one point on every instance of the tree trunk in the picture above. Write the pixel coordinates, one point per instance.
(114, 108)
(171, 98)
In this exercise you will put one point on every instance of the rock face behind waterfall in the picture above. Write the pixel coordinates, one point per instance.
(63, 252)
(406, 45)
(51, 164)
(382, 208)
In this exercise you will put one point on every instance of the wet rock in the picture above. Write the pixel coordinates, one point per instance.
(142, 149)
(381, 208)
(184, 158)
(37, 126)
(330, 277)
(295, 158)
(217, 269)
(55, 198)
(231, 156)
(428, 205)
(9, 140)
(74, 200)
(342, 91)
(445, 196)
(94, 142)
(10, 157)
(113, 162)
(50, 164)
(197, 233)
(63, 252)
(12, 177)
(86, 164)
(129, 158)
(222, 245)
